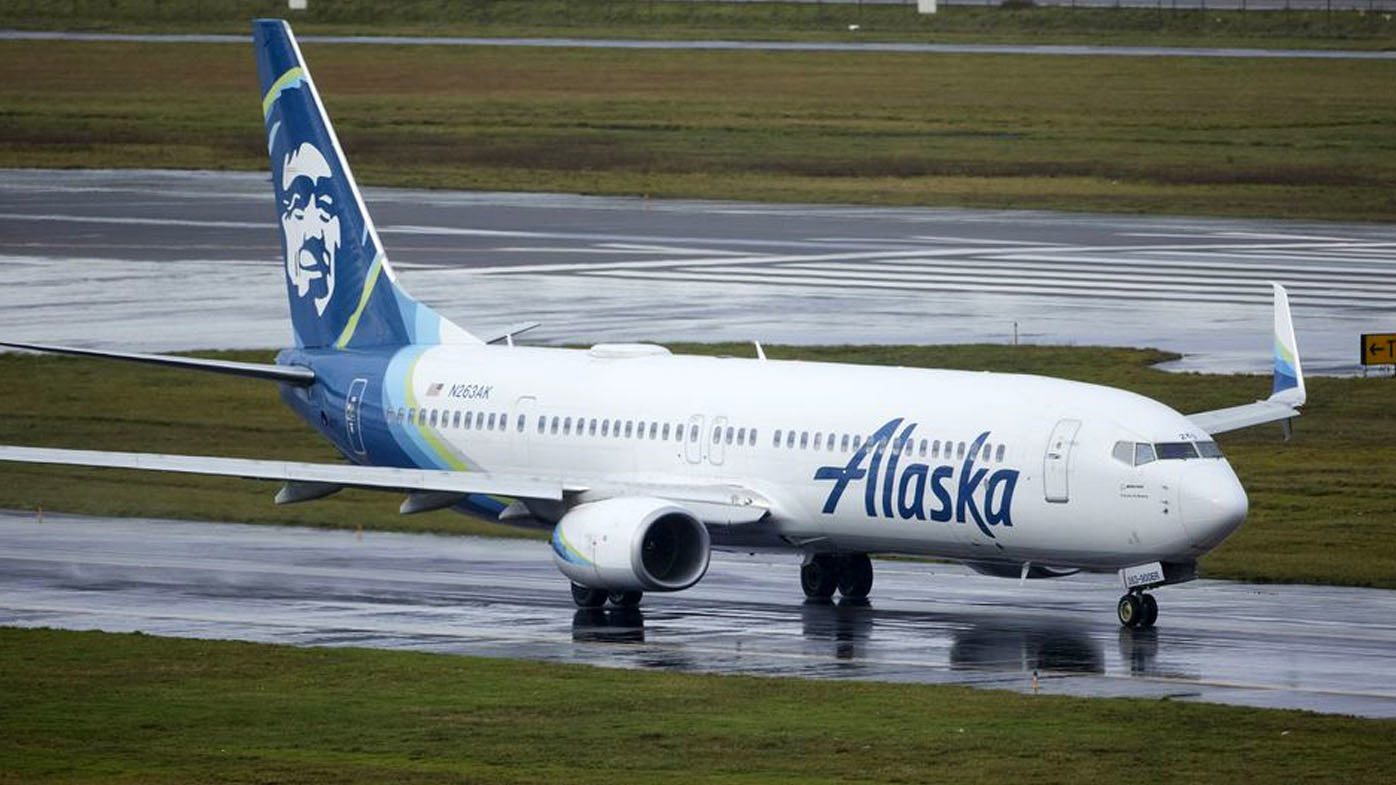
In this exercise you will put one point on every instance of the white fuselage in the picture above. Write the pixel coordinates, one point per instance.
(1041, 486)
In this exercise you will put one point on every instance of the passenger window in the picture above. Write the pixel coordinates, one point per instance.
(775, 442)
(789, 440)
(654, 429)
(665, 432)
(857, 441)
(566, 426)
(731, 432)
(489, 425)
(987, 452)
(752, 437)
(921, 449)
(935, 448)
(804, 439)
(629, 428)
(421, 416)
(960, 450)
(556, 422)
(479, 420)
(693, 433)
(818, 440)
(542, 423)
(605, 427)
(906, 447)
(717, 434)
(521, 423)
(741, 437)
(998, 454)
(1143, 453)
(412, 415)
(843, 443)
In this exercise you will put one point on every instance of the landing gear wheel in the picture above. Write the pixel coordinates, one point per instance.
(856, 577)
(586, 597)
(626, 599)
(1150, 610)
(820, 576)
(1130, 610)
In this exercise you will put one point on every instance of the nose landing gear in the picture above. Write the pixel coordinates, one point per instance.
(1137, 609)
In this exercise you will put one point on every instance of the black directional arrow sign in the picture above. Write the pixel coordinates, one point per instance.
(1378, 349)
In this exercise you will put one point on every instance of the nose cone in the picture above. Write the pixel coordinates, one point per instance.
(1213, 503)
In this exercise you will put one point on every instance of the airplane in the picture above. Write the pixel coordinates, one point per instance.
(642, 462)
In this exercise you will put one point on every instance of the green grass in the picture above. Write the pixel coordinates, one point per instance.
(693, 20)
(1322, 510)
(92, 707)
(1280, 138)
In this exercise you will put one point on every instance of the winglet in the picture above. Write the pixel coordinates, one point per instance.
(1289, 374)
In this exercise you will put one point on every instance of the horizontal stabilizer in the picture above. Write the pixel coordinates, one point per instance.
(373, 477)
(291, 374)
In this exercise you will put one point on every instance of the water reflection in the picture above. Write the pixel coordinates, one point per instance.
(1028, 647)
(608, 625)
(847, 623)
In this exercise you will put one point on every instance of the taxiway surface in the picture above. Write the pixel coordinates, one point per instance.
(1318, 648)
(160, 260)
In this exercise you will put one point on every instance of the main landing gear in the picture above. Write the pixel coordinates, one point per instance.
(1137, 609)
(851, 574)
(587, 597)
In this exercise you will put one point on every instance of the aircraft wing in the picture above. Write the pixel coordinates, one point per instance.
(1287, 392)
(1243, 416)
(328, 475)
(290, 374)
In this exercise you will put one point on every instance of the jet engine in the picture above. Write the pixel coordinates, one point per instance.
(631, 544)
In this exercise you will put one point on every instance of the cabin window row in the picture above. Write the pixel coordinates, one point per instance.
(443, 418)
(614, 428)
(921, 448)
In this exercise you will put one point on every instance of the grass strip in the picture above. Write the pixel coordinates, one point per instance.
(92, 707)
(1322, 510)
(1010, 21)
(1277, 138)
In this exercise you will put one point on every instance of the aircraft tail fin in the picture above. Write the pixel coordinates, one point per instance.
(341, 287)
(1288, 387)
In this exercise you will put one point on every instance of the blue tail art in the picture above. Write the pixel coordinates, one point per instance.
(341, 288)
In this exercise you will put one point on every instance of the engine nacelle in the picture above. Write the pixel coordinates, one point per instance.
(631, 544)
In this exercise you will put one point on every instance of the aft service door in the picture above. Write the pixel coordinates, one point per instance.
(353, 426)
(1057, 463)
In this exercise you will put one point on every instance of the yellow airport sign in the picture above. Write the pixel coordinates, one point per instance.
(1379, 348)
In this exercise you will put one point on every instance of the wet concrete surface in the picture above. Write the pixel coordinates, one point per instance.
(159, 260)
(1317, 648)
(865, 47)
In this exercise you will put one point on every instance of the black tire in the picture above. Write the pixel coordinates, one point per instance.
(1150, 610)
(856, 577)
(586, 597)
(626, 599)
(1130, 610)
(819, 576)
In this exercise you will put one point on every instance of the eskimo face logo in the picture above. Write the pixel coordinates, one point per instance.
(310, 223)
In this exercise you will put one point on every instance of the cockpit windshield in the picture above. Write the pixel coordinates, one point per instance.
(1140, 453)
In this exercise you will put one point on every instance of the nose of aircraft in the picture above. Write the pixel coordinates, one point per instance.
(1213, 503)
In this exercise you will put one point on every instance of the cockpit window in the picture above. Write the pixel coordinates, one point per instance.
(1209, 449)
(1143, 453)
(1174, 451)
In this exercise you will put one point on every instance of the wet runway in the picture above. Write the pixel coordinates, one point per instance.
(1049, 50)
(1324, 649)
(160, 260)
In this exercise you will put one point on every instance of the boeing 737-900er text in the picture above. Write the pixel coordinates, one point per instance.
(641, 462)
